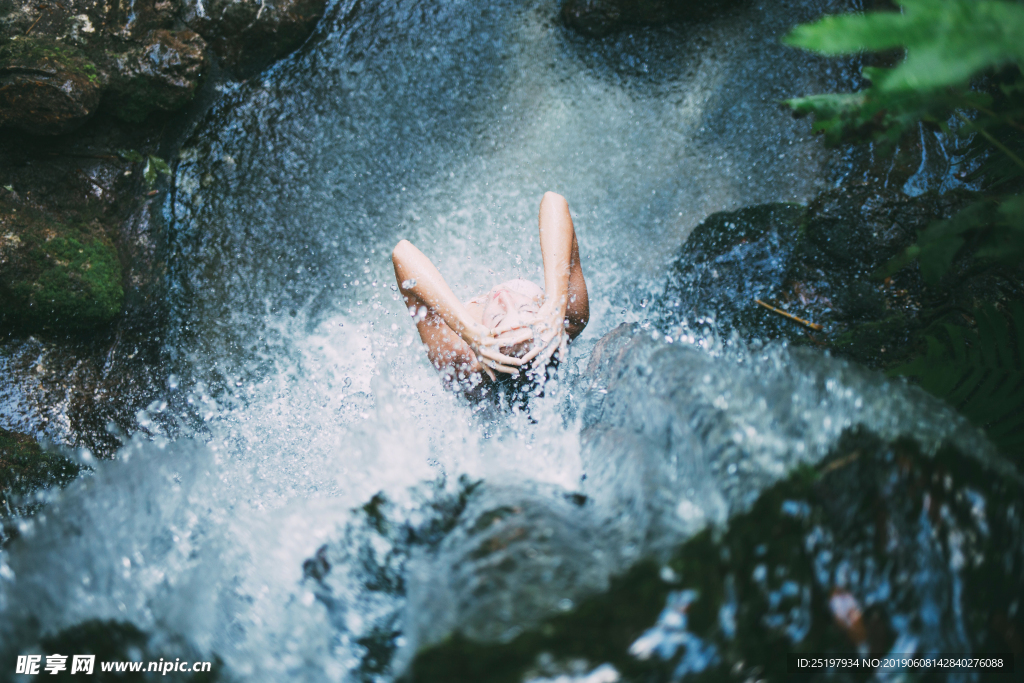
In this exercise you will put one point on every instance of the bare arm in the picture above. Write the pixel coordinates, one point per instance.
(564, 285)
(453, 339)
(566, 308)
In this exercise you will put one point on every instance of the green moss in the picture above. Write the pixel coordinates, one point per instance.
(77, 279)
(34, 50)
(57, 275)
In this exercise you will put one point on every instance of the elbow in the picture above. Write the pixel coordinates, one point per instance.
(400, 248)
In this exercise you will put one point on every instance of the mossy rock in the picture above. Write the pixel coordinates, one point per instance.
(54, 275)
(851, 555)
(25, 467)
(46, 87)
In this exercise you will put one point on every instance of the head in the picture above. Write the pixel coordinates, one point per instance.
(511, 303)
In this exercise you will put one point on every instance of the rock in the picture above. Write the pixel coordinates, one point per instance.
(598, 18)
(517, 555)
(593, 18)
(249, 34)
(26, 468)
(878, 544)
(680, 447)
(161, 73)
(46, 88)
(55, 275)
(816, 263)
(731, 259)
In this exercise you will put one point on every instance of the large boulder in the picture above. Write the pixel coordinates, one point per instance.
(46, 87)
(879, 546)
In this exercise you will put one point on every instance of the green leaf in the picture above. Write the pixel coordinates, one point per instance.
(130, 155)
(155, 166)
(998, 225)
(947, 41)
(937, 256)
(979, 372)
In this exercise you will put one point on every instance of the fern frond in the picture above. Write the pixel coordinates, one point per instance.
(979, 372)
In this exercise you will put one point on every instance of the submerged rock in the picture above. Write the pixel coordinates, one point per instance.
(56, 275)
(46, 87)
(517, 555)
(877, 547)
(598, 18)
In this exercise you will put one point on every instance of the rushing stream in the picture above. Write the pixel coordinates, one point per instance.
(304, 414)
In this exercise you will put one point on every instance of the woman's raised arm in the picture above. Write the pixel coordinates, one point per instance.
(566, 308)
(452, 337)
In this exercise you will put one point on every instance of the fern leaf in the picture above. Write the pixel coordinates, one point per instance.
(979, 372)
(947, 41)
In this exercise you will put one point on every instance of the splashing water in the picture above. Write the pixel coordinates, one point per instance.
(297, 371)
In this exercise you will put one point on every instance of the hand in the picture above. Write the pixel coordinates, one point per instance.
(549, 331)
(485, 343)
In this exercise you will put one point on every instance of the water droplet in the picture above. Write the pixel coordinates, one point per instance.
(409, 284)
(643, 303)
(347, 382)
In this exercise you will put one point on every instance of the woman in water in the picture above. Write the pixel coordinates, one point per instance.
(513, 327)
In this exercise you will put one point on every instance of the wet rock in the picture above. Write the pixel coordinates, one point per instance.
(24, 469)
(817, 264)
(731, 259)
(161, 73)
(249, 34)
(598, 18)
(518, 554)
(878, 546)
(46, 87)
(56, 275)
(860, 228)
